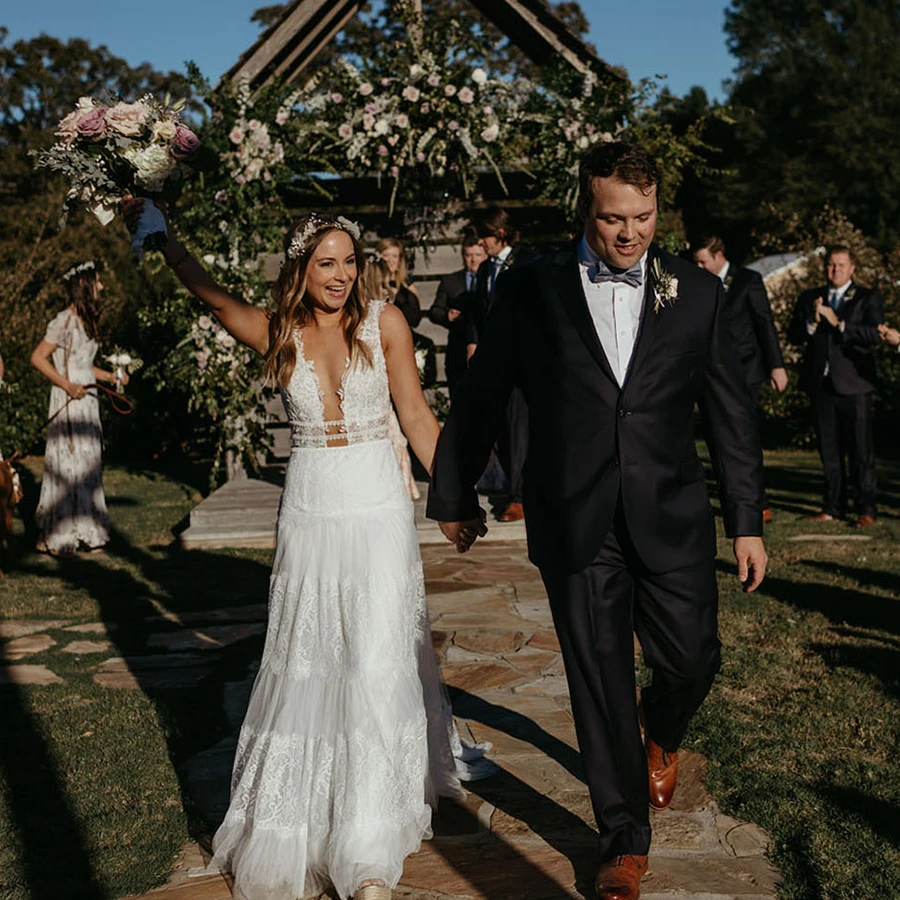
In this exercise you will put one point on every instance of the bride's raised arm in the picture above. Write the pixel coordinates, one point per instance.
(243, 321)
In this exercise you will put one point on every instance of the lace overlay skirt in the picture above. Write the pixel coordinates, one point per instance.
(345, 746)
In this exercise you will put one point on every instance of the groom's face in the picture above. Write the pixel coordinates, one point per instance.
(621, 221)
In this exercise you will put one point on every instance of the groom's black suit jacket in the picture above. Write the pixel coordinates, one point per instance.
(591, 442)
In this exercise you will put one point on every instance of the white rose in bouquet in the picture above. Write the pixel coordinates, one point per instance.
(153, 165)
(164, 130)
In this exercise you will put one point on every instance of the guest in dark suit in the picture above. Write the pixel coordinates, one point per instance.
(613, 342)
(505, 254)
(749, 321)
(451, 308)
(838, 325)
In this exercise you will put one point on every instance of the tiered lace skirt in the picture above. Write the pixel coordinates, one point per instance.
(345, 745)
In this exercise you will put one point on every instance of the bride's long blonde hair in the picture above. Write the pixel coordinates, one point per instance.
(293, 307)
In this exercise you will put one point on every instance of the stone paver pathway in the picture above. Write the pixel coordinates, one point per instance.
(527, 832)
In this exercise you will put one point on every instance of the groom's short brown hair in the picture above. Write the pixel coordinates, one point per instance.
(627, 162)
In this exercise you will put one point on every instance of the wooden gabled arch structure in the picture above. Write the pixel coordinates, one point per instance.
(287, 48)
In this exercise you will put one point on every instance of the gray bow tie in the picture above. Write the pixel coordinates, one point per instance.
(600, 273)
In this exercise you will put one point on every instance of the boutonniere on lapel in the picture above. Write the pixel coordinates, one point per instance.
(850, 293)
(728, 280)
(665, 286)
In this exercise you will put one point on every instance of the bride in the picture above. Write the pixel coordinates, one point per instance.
(345, 747)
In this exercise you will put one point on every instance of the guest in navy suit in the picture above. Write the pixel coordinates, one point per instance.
(838, 325)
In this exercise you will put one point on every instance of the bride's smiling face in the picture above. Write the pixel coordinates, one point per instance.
(331, 271)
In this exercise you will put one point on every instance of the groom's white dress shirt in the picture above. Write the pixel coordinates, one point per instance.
(615, 308)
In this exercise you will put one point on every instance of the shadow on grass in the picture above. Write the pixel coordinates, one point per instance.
(839, 604)
(879, 815)
(870, 654)
(54, 847)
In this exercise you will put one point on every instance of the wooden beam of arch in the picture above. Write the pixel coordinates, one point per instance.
(293, 42)
(288, 48)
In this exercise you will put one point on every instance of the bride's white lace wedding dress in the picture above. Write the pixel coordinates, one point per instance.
(346, 743)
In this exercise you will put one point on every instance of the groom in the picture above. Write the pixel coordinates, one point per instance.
(613, 341)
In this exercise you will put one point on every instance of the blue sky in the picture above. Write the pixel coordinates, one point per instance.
(682, 40)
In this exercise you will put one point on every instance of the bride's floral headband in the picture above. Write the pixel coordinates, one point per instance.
(89, 266)
(317, 222)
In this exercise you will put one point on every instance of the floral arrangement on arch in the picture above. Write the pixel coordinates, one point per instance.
(438, 114)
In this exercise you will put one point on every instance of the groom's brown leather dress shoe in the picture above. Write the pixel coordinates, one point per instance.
(865, 521)
(662, 768)
(513, 513)
(620, 878)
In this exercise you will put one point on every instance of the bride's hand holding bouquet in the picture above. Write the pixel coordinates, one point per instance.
(107, 152)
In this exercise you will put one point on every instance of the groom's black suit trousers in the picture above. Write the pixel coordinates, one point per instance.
(596, 611)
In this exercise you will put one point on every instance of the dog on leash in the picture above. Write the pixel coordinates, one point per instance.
(10, 495)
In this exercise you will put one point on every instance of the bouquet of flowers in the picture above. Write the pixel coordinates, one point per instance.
(122, 362)
(106, 152)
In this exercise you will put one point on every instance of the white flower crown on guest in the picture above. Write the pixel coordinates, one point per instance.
(89, 266)
(316, 223)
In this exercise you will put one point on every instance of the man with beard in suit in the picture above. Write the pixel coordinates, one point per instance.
(504, 254)
(613, 342)
(749, 321)
(838, 324)
(451, 308)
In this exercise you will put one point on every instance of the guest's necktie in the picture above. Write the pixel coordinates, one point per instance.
(470, 281)
(601, 273)
(496, 266)
(834, 301)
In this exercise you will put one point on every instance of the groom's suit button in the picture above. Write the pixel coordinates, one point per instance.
(623, 413)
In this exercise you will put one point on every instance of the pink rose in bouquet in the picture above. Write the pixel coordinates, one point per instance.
(92, 125)
(128, 119)
(68, 127)
(185, 144)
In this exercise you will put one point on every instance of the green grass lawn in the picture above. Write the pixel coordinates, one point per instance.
(802, 729)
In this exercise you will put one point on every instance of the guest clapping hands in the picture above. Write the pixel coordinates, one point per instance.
(890, 335)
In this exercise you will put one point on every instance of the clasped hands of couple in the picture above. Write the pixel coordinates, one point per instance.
(749, 550)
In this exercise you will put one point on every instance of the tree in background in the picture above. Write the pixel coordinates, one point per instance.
(817, 100)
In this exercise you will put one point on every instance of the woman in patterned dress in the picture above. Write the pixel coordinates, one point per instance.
(71, 513)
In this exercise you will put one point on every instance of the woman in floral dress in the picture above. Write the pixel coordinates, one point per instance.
(72, 513)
